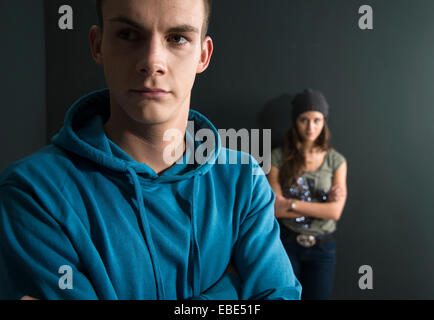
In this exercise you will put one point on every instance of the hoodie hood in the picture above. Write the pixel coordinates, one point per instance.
(83, 134)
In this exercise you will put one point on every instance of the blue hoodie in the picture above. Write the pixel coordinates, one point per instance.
(81, 219)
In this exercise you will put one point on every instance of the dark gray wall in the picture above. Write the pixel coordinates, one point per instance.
(22, 84)
(71, 71)
(379, 84)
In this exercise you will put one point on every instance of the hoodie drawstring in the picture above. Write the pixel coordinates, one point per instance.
(195, 252)
(148, 235)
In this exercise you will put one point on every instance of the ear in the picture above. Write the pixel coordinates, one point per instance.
(95, 37)
(205, 56)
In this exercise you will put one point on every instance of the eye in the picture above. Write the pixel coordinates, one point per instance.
(128, 35)
(178, 39)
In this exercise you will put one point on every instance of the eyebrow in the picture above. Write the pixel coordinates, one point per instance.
(184, 28)
(306, 118)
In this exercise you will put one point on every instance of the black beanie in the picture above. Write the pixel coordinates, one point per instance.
(309, 100)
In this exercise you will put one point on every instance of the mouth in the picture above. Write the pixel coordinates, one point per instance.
(150, 92)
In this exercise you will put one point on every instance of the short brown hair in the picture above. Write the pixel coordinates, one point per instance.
(208, 7)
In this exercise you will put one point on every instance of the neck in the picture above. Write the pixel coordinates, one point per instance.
(309, 147)
(145, 142)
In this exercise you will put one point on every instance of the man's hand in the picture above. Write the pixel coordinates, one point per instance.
(28, 298)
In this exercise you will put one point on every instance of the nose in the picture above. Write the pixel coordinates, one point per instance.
(152, 58)
(311, 125)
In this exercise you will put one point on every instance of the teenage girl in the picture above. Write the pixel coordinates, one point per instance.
(308, 177)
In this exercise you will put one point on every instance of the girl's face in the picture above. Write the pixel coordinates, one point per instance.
(310, 125)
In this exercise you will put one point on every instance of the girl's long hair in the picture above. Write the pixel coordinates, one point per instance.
(293, 159)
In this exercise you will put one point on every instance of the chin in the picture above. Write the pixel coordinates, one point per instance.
(151, 115)
(150, 111)
(310, 139)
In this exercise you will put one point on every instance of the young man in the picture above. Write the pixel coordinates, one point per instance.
(101, 213)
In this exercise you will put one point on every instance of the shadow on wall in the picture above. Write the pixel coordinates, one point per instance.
(276, 115)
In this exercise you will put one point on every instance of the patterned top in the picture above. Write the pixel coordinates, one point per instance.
(322, 180)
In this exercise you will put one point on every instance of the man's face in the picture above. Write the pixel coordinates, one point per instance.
(151, 51)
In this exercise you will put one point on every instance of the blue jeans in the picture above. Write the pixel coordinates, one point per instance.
(314, 267)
